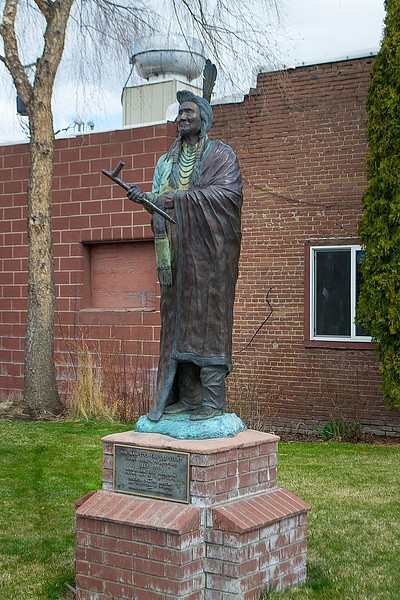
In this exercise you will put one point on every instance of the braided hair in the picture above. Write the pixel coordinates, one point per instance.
(176, 149)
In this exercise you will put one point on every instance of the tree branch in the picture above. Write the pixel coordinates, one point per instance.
(54, 40)
(11, 56)
(45, 8)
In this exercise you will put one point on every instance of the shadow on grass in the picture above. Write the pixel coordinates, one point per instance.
(317, 581)
(317, 578)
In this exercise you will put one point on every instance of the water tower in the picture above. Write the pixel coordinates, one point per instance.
(168, 63)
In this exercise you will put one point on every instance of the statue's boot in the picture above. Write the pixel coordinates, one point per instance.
(178, 408)
(213, 393)
(189, 391)
(204, 412)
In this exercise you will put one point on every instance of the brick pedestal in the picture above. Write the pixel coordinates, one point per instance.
(240, 534)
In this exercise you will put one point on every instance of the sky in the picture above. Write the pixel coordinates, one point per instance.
(311, 31)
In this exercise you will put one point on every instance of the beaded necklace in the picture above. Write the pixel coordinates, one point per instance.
(187, 159)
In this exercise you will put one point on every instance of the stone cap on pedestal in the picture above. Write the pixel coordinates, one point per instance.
(245, 439)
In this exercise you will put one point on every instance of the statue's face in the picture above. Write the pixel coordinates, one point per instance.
(189, 120)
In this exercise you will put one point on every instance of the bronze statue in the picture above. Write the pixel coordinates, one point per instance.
(198, 184)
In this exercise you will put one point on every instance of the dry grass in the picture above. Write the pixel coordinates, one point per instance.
(107, 385)
(247, 401)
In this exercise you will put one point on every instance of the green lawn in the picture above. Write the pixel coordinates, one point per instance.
(44, 468)
(354, 525)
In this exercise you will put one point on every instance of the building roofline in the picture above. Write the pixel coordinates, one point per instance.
(357, 54)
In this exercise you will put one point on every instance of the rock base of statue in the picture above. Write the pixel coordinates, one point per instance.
(191, 519)
(182, 428)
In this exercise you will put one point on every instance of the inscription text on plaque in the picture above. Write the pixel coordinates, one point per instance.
(162, 474)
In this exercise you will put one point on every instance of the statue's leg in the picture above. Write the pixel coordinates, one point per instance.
(189, 390)
(213, 393)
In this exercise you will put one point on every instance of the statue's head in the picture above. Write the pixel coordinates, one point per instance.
(205, 109)
(194, 120)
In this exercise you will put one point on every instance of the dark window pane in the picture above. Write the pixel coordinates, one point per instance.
(359, 258)
(332, 292)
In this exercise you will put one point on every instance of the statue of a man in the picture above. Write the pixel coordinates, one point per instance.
(198, 183)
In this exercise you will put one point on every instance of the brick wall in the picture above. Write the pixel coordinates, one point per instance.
(300, 139)
(89, 215)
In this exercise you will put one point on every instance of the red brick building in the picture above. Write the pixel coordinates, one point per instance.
(300, 139)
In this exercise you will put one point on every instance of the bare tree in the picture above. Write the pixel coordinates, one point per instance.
(225, 26)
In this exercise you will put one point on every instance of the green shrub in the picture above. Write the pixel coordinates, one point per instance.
(341, 430)
(379, 230)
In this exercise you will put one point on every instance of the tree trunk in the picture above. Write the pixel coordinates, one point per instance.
(41, 396)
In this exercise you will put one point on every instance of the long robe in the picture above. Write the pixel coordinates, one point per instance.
(197, 309)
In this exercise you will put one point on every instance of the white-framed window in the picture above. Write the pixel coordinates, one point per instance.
(334, 287)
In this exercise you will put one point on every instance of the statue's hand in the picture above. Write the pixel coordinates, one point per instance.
(135, 193)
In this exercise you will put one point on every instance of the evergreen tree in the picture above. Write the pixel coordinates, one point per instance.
(379, 302)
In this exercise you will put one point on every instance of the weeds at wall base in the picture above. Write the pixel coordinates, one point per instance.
(246, 400)
(342, 430)
(107, 385)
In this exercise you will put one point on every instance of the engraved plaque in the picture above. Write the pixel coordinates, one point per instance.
(161, 474)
